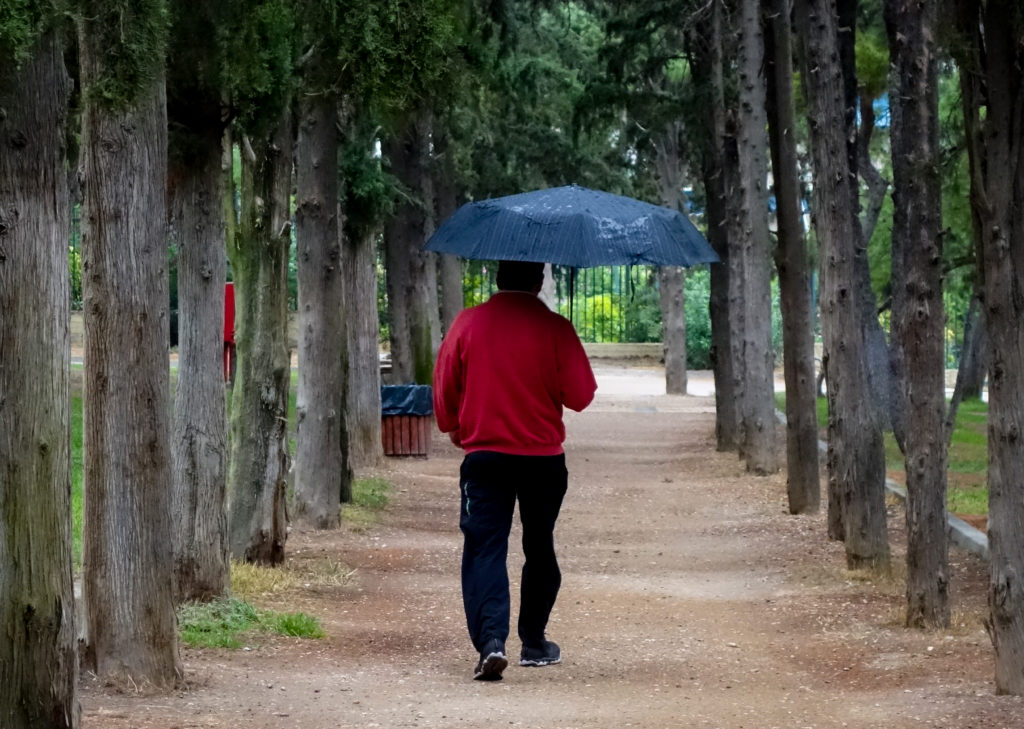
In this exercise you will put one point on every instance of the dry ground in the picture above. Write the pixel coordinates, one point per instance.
(690, 598)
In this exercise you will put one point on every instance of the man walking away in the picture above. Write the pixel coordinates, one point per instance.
(504, 372)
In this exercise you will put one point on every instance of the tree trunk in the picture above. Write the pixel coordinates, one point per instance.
(1003, 241)
(974, 355)
(856, 462)
(322, 471)
(918, 314)
(132, 628)
(670, 278)
(363, 332)
(877, 186)
(412, 271)
(708, 71)
(38, 661)
(199, 438)
(257, 514)
(757, 400)
(882, 393)
(673, 333)
(446, 202)
(966, 50)
(199, 429)
(803, 483)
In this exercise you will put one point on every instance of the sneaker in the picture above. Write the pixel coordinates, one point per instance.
(544, 654)
(492, 661)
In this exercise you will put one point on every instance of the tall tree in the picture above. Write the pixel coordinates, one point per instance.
(706, 53)
(750, 291)
(195, 111)
(322, 471)
(38, 657)
(670, 278)
(793, 265)
(131, 625)
(918, 313)
(259, 459)
(364, 202)
(446, 200)
(856, 462)
(411, 271)
(1003, 244)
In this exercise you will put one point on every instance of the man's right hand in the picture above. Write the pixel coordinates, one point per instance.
(454, 436)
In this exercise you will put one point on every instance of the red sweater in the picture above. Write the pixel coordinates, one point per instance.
(504, 372)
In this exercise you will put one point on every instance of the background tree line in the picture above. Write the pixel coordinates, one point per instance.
(228, 128)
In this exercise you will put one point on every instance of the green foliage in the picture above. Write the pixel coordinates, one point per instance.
(641, 313)
(389, 53)
(128, 40)
(75, 274)
(368, 188)
(227, 623)
(697, 291)
(872, 64)
(21, 22)
(259, 50)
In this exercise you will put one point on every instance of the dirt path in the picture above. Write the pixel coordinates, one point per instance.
(690, 599)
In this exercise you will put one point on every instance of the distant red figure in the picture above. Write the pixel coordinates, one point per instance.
(229, 334)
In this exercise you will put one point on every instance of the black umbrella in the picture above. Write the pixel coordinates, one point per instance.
(572, 226)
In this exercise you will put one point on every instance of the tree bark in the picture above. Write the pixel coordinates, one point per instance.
(132, 628)
(708, 71)
(198, 428)
(445, 204)
(918, 314)
(363, 333)
(974, 355)
(38, 660)
(966, 50)
(257, 513)
(856, 461)
(1003, 241)
(670, 278)
(882, 393)
(877, 186)
(322, 471)
(803, 485)
(757, 400)
(199, 441)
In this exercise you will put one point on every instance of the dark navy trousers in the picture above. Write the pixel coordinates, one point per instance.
(491, 483)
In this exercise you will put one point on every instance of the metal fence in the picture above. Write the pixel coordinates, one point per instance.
(605, 304)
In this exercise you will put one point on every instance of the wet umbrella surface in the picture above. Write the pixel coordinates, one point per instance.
(572, 226)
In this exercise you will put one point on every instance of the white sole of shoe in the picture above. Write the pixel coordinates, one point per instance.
(491, 667)
(537, 663)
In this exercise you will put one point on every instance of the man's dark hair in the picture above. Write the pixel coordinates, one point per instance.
(520, 275)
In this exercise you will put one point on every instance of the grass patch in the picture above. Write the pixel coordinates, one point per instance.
(967, 500)
(370, 496)
(249, 580)
(967, 492)
(230, 622)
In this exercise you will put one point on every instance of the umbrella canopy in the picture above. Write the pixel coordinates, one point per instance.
(572, 226)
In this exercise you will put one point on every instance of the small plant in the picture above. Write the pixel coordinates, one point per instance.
(226, 623)
(217, 624)
(297, 625)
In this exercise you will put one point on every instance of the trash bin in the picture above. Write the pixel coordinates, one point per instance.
(407, 419)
